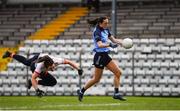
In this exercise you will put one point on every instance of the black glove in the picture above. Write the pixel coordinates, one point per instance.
(80, 72)
(39, 92)
(113, 45)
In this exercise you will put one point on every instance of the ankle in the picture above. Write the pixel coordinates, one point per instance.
(83, 90)
(12, 54)
(116, 90)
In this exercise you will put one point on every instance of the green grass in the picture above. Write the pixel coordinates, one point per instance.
(89, 103)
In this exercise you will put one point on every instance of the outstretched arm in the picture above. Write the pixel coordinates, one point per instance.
(114, 40)
(34, 81)
(102, 45)
(71, 63)
(39, 92)
(74, 65)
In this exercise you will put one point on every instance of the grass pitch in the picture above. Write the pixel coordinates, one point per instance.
(89, 103)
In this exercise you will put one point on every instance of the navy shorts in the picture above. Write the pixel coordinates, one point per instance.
(101, 59)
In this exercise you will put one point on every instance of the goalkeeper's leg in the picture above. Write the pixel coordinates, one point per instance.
(47, 80)
(20, 58)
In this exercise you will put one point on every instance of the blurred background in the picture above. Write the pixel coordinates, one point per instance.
(59, 27)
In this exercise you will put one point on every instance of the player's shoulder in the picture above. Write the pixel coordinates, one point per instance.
(43, 54)
(39, 64)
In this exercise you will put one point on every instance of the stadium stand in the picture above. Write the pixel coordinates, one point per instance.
(17, 23)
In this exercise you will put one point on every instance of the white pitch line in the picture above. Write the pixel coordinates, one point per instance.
(86, 105)
(69, 105)
(78, 105)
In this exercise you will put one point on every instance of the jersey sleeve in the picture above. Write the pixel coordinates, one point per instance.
(97, 36)
(109, 33)
(58, 60)
(42, 54)
(38, 68)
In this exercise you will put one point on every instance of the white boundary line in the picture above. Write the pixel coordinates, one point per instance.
(78, 105)
(68, 105)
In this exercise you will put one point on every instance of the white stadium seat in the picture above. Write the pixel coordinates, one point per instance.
(157, 91)
(139, 91)
(147, 91)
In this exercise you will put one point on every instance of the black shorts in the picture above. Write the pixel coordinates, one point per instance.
(101, 59)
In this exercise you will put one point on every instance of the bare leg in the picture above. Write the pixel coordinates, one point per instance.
(96, 78)
(116, 71)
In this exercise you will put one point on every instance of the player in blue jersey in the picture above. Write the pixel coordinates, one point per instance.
(101, 34)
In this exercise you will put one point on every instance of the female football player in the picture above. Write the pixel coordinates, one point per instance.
(40, 64)
(101, 34)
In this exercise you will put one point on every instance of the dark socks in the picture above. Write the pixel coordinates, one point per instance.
(116, 90)
(83, 90)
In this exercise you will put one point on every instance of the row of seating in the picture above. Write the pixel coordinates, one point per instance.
(141, 72)
(16, 24)
(163, 41)
(138, 91)
(105, 81)
(144, 21)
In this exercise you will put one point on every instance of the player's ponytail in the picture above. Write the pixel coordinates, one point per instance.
(96, 21)
(47, 61)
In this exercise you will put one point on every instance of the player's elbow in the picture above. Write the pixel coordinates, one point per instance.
(66, 61)
(100, 45)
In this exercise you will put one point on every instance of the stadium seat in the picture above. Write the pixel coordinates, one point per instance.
(129, 91)
(157, 91)
(139, 91)
(162, 82)
(166, 91)
(16, 91)
(172, 81)
(147, 91)
(7, 91)
(147, 50)
(23, 91)
(59, 90)
(14, 82)
(96, 91)
(44, 44)
(50, 91)
(1, 91)
(175, 92)
(176, 72)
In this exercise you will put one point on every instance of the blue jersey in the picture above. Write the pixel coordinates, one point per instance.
(100, 34)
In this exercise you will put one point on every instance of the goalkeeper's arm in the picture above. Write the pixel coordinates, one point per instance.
(74, 65)
(39, 92)
(34, 81)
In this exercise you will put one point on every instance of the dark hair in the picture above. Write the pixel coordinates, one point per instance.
(47, 61)
(96, 21)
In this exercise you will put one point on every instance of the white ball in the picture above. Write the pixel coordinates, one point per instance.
(127, 43)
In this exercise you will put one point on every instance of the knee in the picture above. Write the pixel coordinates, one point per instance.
(27, 63)
(96, 80)
(118, 73)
